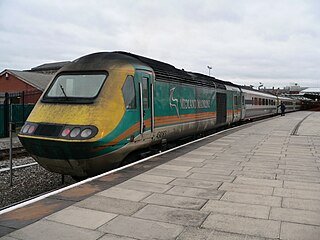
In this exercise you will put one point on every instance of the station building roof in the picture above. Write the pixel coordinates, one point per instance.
(311, 90)
(37, 80)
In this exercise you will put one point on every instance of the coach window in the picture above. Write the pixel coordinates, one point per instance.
(145, 92)
(129, 93)
(235, 100)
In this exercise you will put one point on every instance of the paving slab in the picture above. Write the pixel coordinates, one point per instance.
(141, 229)
(271, 201)
(81, 217)
(301, 178)
(172, 215)
(251, 174)
(50, 230)
(244, 188)
(185, 163)
(145, 186)
(297, 167)
(258, 182)
(296, 193)
(188, 158)
(168, 173)
(304, 204)
(222, 164)
(301, 185)
(302, 173)
(211, 171)
(293, 231)
(153, 178)
(273, 165)
(300, 161)
(212, 177)
(125, 194)
(115, 237)
(295, 215)
(192, 233)
(216, 235)
(111, 205)
(201, 153)
(243, 225)
(175, 201)
(264, 170)
(196, 183)
(199, 193)
(237, 209)
(267, 156)
(174, 167)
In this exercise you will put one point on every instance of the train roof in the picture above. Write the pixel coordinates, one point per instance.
(163, 71)
(167, 72)
(250, 89)
(100, 61)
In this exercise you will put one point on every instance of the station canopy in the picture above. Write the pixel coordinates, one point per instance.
(312, 93)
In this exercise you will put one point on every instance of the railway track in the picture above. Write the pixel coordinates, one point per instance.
(16, 152)
(29, 180)
(5, 169)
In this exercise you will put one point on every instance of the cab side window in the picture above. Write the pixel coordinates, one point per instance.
(129, 93)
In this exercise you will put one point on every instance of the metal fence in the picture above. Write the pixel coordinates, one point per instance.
(19, 111)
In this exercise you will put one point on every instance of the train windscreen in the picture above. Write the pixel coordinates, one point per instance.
(70, 87)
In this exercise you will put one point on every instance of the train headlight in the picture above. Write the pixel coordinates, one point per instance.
(86, 133)
(75, 132)
(59, 131)
(29, 128)
(65, 132)
(25, 128)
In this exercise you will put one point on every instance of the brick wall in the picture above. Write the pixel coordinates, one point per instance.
(14, 84)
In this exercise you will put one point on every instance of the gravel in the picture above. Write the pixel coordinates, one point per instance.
(16, 162)
(28, 182)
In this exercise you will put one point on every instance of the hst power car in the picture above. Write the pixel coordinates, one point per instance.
(104, 106)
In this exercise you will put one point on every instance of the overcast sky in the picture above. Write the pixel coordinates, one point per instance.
(276, 42)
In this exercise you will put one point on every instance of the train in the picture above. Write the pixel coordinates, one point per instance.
(104, 106)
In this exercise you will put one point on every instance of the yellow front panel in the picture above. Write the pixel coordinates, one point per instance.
(105, 113)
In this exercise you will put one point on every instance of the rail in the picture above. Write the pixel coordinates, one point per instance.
(18, 167)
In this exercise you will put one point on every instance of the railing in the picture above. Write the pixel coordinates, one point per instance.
(15, 110)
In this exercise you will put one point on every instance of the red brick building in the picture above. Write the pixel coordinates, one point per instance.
(29, 83)
(32, 84)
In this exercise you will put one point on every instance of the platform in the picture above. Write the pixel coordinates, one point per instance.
(258, 181)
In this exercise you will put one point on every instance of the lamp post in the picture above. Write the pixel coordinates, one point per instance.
(209, 69)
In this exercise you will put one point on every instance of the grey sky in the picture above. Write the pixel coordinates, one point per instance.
(276, 42)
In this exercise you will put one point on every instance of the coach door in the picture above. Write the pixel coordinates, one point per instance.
(221, 108)
(146, 103)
